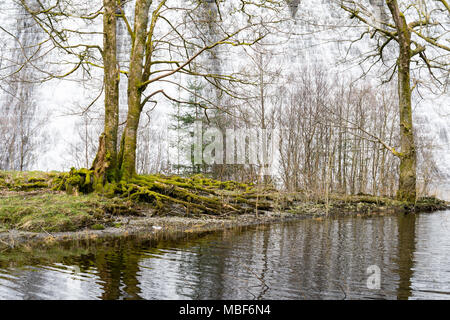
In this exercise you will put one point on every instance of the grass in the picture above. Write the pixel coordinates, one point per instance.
(26, 180)
(53, 212)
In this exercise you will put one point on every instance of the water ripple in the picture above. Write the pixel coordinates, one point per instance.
(302, 260)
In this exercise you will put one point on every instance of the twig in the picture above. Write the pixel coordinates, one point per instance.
(48, 233)
(257, 277)
(343, 291)
(6, 243)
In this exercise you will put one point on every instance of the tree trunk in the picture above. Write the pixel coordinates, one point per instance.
(407, 181)
(105, 163)
(135, 80)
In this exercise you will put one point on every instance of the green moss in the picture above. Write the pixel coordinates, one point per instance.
(77, 180)
(97, 227)
(80, 207)
(26, 181)
(63, 212)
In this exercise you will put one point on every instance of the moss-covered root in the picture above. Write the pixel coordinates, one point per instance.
(75, 181)
(197, 194)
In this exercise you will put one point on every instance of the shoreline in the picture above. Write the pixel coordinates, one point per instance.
(174, 227)
(150, 228)
(33, 210)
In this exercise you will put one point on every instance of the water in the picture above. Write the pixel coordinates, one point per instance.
(308, 259)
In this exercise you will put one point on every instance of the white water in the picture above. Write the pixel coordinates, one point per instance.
(432, 113)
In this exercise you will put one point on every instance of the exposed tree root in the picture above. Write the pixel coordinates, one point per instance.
(197, 194)
(201, 195)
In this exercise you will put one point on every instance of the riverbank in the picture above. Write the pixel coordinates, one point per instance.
(32, 209)
(150, 227)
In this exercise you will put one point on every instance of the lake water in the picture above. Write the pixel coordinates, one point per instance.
(307, 259)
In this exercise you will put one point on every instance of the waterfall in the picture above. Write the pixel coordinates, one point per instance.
(432, 113)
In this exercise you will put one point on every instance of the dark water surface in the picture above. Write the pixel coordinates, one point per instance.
(307, 259)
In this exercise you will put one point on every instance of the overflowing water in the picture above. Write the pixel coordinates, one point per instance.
(309, 259)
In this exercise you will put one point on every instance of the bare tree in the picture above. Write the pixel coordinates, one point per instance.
(161, 48)
(324, 146)
(395, 28)
(82, 149)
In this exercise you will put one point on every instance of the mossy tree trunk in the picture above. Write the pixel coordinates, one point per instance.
(105, 164)
(407, 179)
(135, 89)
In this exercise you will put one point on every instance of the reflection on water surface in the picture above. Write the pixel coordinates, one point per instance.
(300, 260)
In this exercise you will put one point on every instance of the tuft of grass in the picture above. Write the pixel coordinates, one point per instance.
(97, 226)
